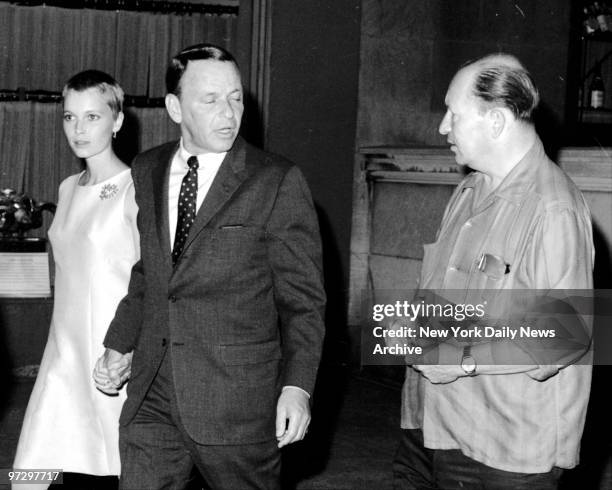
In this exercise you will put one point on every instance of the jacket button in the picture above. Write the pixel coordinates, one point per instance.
(172, 298)
(164, 342)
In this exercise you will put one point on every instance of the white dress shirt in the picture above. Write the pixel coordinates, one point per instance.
(209, 164)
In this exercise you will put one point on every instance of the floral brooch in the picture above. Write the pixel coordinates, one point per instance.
(108, 191)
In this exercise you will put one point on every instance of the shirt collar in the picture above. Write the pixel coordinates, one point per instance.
(519, 180)
(522, 177)
(204, 159)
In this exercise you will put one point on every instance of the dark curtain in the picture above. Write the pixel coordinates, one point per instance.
(41, 47)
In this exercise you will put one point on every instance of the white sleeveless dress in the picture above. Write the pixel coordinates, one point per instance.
(69, 424)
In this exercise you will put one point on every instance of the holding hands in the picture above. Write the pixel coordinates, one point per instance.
(112, 370)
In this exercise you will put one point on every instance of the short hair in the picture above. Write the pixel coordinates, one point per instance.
(110, 90)
(501, 79)
(178, 64)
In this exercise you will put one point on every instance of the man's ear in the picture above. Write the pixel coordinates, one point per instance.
(498, 120)
(173, 106)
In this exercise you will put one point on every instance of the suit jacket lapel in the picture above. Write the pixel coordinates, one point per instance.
(229, 177)
(160, 175)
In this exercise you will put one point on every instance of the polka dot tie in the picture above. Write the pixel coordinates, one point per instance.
(186, 208)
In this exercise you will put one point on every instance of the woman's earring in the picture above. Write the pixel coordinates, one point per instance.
(114, 134)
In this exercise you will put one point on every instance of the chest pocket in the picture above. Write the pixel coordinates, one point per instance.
(499, 259)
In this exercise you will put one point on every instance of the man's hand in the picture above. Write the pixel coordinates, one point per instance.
(112, 370)
(442, 364)
(292, 416)
(542, 373)
(438, 374)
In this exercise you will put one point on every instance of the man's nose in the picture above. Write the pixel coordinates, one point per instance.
(444, 127)
(228, 110)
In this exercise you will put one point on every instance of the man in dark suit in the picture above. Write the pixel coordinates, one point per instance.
(224, 312)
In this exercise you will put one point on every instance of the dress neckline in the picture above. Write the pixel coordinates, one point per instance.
(97, 184)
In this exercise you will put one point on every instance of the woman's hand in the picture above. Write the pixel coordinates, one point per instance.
(112, 370)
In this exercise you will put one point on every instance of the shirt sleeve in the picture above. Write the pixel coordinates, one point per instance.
(294, 251)
(561, 258)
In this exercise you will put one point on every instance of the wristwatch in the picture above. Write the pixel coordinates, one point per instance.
(468, 363)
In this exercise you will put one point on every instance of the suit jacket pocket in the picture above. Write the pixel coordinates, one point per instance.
(225, 242)
(252, 365)
(238, 355)
(249, 396)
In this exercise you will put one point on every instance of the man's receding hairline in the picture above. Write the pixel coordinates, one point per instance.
(491, 61)
(499, 60)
